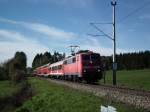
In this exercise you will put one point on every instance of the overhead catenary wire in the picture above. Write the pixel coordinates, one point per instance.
(119, 21)
(104, 34)
(101, 23)
(134, 11)
(94, 35)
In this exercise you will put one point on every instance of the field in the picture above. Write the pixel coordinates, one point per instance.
(51, 97)
(133, 79)
(56, 98)
(7, 89)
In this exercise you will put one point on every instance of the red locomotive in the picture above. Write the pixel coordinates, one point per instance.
(82, 66)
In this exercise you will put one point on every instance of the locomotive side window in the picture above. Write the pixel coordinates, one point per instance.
(71, 60)
(74, 60)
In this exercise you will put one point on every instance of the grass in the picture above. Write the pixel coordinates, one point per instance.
(56, 98)
(7, 89)
(134, 79)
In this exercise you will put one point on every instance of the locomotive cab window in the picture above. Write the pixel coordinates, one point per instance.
(91, 57)
(86, 57)
(95, 57)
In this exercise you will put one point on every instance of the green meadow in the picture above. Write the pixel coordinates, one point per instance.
(51, 97)
(8, 89)
(133, 78)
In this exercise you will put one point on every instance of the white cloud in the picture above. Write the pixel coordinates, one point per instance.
(12, 36)
(49, 31)
(66, 3)
(19, 43)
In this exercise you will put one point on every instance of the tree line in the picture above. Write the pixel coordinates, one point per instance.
(47, 57)
(129, 61)
(14, 69)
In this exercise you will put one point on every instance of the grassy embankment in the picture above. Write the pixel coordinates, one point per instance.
(7, 91)
(134, 78)
(12, 95)
(56, 98)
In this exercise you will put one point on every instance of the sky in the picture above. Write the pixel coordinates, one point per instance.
(36, 26)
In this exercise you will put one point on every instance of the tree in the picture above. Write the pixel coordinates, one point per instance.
(17, 67)
(36, 61)
(46, 58)
(3, 76)
(21, 61)
(41, 59)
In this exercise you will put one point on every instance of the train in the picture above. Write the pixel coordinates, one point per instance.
(83, 66)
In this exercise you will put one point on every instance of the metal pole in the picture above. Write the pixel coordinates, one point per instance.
(113, 3)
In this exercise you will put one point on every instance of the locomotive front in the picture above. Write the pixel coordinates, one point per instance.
(91, 67)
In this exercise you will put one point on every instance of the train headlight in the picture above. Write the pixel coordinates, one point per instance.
(98, 70)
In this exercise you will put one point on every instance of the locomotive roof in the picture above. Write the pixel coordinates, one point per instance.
(80, 52)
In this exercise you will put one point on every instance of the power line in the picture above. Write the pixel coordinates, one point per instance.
(104, 34)
(94, 35)
(100, 23)
(134, 11)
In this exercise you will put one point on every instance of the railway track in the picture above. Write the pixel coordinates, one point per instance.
(133, 91)
(135, 97)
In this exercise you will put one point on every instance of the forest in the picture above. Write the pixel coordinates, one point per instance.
(129, 61)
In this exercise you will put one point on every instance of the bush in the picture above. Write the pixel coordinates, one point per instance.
(18, 76)
(3, 75)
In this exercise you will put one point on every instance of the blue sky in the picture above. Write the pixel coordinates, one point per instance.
(36, 26)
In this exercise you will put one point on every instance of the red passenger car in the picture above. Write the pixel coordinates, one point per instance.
(56, 69)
